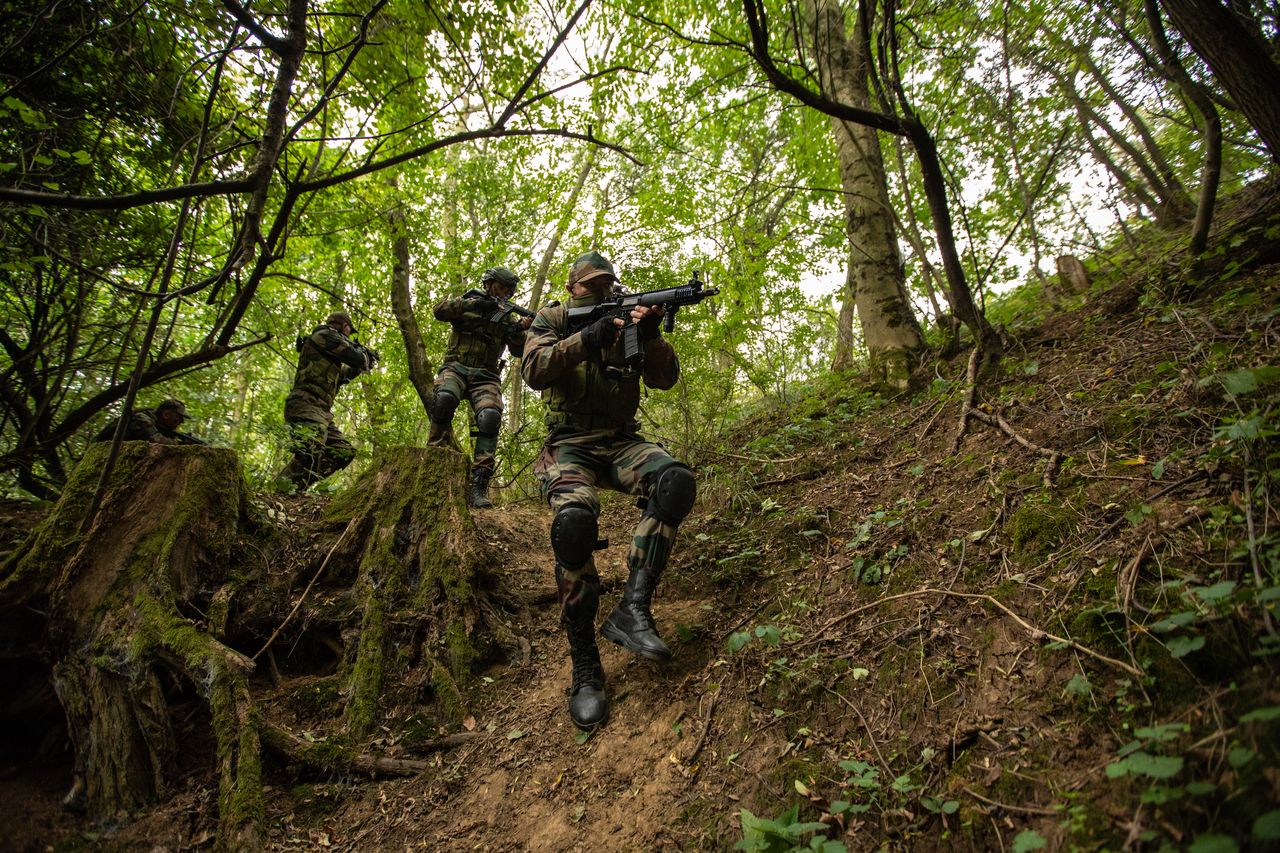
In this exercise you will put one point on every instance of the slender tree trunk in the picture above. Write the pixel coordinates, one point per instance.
(1240, 61)
(420, 373)
(1175, 192)
(1211, 169)
(515, 412)
(875, 283)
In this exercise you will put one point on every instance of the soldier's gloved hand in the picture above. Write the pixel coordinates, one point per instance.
(600, 335)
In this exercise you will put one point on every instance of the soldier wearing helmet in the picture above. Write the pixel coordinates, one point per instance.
(158, 425)
(327, 359)
(481, 330)
(592, 397)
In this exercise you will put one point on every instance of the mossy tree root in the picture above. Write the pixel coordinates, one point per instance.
(414, 585)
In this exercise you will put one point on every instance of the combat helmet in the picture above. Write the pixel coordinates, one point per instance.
(500, 275)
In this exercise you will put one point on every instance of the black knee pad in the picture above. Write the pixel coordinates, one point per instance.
(488, 421)
(674, 491)
(443, 405)
(573, 534)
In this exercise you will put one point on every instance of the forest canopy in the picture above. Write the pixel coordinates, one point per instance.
(189, 186)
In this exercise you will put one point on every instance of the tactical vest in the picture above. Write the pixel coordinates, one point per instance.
(474, 341)
(319, 373)
(598, 394)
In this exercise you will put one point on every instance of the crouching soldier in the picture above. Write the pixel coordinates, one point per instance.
(592, 397)
(483, 323)
(159, 425)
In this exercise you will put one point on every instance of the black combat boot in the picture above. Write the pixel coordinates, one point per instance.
(588, 704)
(478, 493)
(295, 477)
(630, 625)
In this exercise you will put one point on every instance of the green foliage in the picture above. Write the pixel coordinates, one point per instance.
(786, 833)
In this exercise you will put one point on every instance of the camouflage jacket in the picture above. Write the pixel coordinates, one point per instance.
(145, 426)
(326, 362)
(584, 392)
(474, 340)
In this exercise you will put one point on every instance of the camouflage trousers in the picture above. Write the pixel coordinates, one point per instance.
(570, 468)
(484, 391)
(319, 448)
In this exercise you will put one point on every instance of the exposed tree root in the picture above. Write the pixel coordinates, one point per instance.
(969, 411)
(329, 757)
(121, 597)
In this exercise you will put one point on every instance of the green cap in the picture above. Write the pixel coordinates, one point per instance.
(589, 267)
(501, 275)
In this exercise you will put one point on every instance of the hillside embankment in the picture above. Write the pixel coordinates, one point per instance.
(1048, 624)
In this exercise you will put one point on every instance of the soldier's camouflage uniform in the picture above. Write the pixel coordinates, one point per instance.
(591, 406)
(593, 441)
(145, 425)
(471, 369)
(326, 361)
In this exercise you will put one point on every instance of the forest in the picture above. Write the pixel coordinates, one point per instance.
(981, 415)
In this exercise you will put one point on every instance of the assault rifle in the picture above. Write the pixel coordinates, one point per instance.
(502, 306)
(671, 299)
(370, 354)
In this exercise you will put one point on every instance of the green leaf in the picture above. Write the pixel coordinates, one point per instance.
(1159, 795)
(1144, 764)
(580, 738)
(1213, 844)
(1157, 470)
(737, 640)
(1183, 646)
(1261, 715)
(1170, 623)
(1199, 789)
(1239, 381)
(1162, 733)
(516, 734)
(1267, 827)
(1239, 756)
(1078, 686)
(1028, 840)
(1217, 592)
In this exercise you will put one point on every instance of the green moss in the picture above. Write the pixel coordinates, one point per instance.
(315, 697)
(448, 697)
(461, 651)
(1037, 527)
(365, 682)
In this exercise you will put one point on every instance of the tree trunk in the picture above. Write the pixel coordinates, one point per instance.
(420, 372)
(153, 590)
(875, 284)
(116, 599)
(1239, 59)
(515, 413)
(1211, 168)
(420, 615)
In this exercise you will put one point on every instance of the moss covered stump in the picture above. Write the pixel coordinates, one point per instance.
(421, 618)
(120, 600)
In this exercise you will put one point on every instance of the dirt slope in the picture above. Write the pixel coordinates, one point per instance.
(917, 648)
